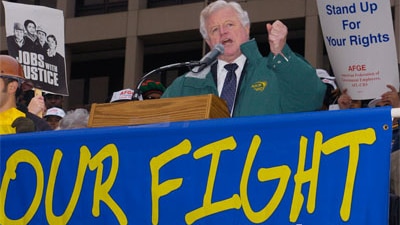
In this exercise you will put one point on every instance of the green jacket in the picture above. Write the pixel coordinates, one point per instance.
(268, 85)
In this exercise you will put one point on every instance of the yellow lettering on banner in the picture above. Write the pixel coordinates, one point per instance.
(353, 140)
(264, 174)
(304, 176)
(21, 156)
(209, 208)
(101, 190)
(161, 189)
(83, 163)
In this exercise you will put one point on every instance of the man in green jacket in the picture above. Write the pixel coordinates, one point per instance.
(283, 82)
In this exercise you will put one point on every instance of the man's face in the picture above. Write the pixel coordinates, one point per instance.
(19, 34)
(224, 26)
(53, 121)
(6, 92)
(53, 101)
(31, 28)
(52, 43)
(154, 95)
(41, 36)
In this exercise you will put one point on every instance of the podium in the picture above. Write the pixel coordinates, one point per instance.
(157, 111)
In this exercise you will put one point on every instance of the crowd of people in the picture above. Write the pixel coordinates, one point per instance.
(250, 83)
(22, 111)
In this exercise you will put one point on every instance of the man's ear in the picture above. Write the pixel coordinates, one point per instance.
(12, 87)
(247, 29)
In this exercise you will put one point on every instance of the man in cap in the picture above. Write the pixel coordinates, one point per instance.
(41, 46)
(151, 89)
(12, 119)
(17, 41)
(53, 117)
(53, 100)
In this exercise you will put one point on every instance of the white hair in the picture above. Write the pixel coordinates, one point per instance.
(211, 8)
(77, 118)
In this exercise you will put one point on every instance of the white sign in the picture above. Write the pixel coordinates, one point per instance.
(35, 37)
(360, 42)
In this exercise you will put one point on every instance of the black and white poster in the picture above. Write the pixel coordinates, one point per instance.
(35, 37)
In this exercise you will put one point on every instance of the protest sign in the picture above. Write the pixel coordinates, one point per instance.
(35, 37)
(360, 42)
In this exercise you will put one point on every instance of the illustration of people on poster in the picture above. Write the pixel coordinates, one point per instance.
(35, 37)
(359, 38)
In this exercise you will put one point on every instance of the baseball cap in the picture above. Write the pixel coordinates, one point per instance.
(55, 112)
(122, 95)
(326, 78)
(40, 29)
(18, 26)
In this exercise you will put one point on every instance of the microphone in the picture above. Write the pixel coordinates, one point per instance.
(170, 66)
(211, 56)
(203, 63)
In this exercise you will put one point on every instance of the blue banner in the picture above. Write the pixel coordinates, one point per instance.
(329, 167)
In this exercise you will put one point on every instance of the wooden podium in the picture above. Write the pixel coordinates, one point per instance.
(157, 111)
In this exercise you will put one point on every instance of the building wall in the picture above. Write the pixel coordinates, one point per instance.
(131, 43)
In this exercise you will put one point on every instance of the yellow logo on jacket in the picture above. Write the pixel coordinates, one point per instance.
(259, 85)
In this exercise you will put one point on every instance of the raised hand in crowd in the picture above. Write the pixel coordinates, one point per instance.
(346, 102)
(36, 105)
(390, 97)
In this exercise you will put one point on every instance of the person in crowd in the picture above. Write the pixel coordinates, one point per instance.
(74, 119)
(27, 99)
(151, 89)
(36, 105)
(27, 93)
(55, 59)
(52, 56)
(346, 102)
(15, 119)
(332, 90)
(42, 45)
(390, 98)
(53, 117)
(31, 36)
(53, 100)
(283, 82)
(17, 41)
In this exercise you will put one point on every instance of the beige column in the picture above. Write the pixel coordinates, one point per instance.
(68, 8)
(67, 74)
(313, 36)
(134, 48)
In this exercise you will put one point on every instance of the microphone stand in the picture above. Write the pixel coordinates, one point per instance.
(175, 65)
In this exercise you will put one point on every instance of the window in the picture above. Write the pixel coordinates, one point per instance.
(93, 7)
(48, 3)
(160, 3)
